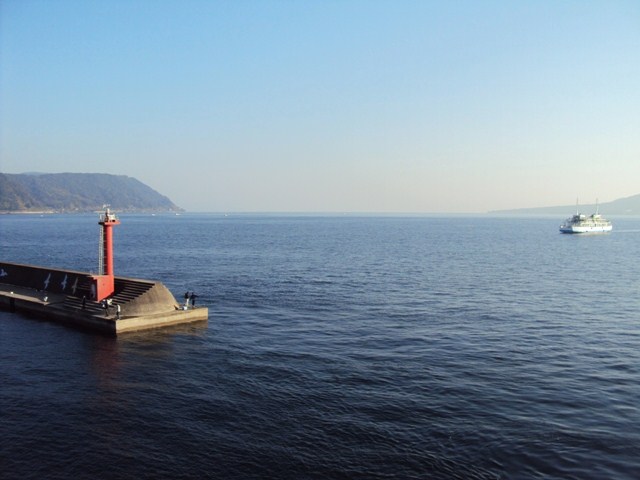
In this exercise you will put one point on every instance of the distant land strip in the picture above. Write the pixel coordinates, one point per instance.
(622, 206)
(77, 193)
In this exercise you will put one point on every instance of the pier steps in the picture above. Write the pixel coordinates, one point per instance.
(90, 306)
(129, 294)
(127, 290)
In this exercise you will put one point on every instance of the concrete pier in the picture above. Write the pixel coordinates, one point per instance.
(65, 296)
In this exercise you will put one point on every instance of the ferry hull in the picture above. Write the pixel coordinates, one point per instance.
(585, 229)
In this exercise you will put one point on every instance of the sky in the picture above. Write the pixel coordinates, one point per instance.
(329, 106)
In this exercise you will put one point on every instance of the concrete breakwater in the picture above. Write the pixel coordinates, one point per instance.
(66, 296)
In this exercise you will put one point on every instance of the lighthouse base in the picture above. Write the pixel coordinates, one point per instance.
(103, 286)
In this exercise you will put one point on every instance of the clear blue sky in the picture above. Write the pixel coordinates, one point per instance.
(321, 106)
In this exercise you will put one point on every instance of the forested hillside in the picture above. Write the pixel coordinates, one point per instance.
(78, 192)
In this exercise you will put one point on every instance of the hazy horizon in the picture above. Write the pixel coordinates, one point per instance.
(356, 106)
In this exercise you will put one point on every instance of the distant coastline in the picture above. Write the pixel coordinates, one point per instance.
(621, 206)
(47, 193)
(27, 212)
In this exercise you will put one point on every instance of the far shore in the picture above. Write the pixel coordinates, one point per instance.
(29, 212)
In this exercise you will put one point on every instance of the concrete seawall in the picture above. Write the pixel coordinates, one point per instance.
(64, 296)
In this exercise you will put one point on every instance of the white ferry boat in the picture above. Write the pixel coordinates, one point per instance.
(580, 223)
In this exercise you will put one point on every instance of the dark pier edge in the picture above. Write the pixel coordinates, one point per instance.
(65, 296)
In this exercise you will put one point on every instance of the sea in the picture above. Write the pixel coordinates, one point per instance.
(337, 347)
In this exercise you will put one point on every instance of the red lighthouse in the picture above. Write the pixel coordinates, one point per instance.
(104, 281)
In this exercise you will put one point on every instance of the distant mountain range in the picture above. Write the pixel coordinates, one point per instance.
(78, 192)
(622, 206)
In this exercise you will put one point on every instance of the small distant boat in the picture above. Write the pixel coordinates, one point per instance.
(579, 223)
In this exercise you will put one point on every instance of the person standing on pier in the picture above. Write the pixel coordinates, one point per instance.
(186, 299)
(193, 299)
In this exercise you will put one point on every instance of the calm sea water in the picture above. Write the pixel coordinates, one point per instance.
(337, 347)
